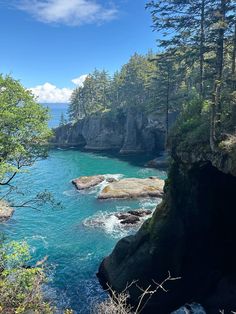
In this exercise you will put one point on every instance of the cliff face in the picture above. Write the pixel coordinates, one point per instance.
(126, 132)
(192, 234)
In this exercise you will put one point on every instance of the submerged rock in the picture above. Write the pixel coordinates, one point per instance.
(140, 212)
(130, 220)
(87, 182)
(133, 188)
(118, 223)
(161, 162)
(132, 216)
(6, 211)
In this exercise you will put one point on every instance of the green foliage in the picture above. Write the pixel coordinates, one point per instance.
(132, 86)
(62, 120)
(200, 38)
(192, 127)
(20, 286)
(23, 129)
(93, 96)
(140, 84)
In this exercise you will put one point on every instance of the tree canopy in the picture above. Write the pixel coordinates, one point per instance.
(24, 132)
(196, 62)
(201, 37)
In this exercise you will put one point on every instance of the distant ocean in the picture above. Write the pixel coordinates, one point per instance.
(56, 110)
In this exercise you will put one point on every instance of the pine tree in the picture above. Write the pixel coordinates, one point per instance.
(62, 120)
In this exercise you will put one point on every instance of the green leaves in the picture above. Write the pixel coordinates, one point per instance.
(23, 129)
(93, 96)
(20, 285)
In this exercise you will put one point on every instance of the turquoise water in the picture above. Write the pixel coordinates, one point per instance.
(77, 237)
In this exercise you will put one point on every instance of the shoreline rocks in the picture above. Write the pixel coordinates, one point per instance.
(161, 162)
(133, 188)
(127, 188)
(116, 222)
(132, 217)
(87, 182)
(191, 235)
(126, 132)
(6, 211)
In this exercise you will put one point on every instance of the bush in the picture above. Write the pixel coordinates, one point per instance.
(20, 285)
(192, 127)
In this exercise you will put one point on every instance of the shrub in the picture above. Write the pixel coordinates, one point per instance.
(20, 285)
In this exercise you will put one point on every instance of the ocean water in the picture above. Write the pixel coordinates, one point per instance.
(78, 236)
(55, 111)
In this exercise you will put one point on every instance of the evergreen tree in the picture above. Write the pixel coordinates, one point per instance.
(62, 120)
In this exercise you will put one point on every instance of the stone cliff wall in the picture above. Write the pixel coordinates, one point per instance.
(192, 234)
(127, 132)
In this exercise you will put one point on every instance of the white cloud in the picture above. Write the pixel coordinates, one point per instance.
(80, 80)
(68, 12)
(49, 93)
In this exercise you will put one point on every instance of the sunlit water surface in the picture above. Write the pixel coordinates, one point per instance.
(78, 236)
(74, 245)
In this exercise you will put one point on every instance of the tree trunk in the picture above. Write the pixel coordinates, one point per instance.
(234, 59)
(167, 105)
(202, 48)
(216, 104)
(234, 51)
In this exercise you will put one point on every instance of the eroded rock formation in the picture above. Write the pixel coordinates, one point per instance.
(133, 188)
(127, 132)
(192, 234)
(86, 182)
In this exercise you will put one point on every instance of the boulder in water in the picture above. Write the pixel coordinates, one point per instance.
(130, 220)
(6, 211)
(87, 182)
(140, 213)
(132, 216)
(133, 188)
(161, 162)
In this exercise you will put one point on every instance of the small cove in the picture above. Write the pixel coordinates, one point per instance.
(73, 246)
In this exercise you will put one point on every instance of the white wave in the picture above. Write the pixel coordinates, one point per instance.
(71, 192)
(150, 203)
(122, 208)
(98, 188)
(117, 176)
(36, 238)
(145, 171)
(193, 308)
(101, 157)
(111, 225)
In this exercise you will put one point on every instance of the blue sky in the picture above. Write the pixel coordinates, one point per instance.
(48, 43)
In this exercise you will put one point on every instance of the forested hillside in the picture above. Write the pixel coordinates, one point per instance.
(194, 72)
(201, 35)
(190, 234)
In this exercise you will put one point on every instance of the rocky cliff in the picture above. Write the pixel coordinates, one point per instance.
(127, 132)
(192, 234)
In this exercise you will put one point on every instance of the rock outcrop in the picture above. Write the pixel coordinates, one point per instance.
(132, 217)
(133, 188)
(161, 162)
(192, 234)
(127, 132)
(86, 182)
(6, 211)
